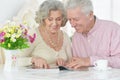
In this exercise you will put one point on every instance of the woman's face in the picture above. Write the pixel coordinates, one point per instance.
(53, 21)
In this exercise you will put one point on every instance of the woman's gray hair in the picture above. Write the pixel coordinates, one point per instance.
(45, 9)
(85, 5)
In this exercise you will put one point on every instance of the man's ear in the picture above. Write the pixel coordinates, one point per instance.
(91, 15)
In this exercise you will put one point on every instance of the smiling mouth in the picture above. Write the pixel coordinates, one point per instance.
(55, 27)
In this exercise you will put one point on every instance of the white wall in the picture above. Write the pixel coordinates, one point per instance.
(116, 11)
(105, 9)
(102, 8)
(9, 8)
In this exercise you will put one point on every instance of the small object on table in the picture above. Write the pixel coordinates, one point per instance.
(64, 68)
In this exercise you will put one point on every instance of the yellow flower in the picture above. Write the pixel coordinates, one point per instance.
(12, 31)
(7, 35)
(9, 45)
(19, 32)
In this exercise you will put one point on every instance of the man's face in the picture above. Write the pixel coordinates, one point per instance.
(78, 19)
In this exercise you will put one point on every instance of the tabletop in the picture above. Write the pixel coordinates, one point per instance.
(55, 74)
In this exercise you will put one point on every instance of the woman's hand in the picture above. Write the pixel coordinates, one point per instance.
(39, 62)
(60, 62)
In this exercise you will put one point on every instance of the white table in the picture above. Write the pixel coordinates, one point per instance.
(34, 74)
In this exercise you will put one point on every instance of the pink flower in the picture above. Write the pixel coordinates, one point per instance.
(32, 38)
(23, 26)
(2, 37)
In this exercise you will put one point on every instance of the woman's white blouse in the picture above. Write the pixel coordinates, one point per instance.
(40, 49)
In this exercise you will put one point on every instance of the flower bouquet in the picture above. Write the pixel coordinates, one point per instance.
(15, 36)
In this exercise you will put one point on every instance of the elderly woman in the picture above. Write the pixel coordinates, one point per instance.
(52, 46)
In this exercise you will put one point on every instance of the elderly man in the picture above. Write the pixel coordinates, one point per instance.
(94, 38)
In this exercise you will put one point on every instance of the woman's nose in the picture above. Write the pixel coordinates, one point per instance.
(54, 22)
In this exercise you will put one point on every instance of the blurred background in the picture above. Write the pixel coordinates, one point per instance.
(19, 9)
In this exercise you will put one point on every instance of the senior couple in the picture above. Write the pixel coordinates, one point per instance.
(94, 38)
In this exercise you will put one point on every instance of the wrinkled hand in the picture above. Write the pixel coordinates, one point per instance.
(60, 62)
(78, 62)
(39, 62)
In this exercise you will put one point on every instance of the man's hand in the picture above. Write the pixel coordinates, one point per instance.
(39, 62)
(78, 62)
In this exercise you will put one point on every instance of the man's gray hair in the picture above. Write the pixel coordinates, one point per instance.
(85, 5)
(46, 7)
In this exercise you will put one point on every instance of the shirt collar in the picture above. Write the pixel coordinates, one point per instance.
(95, 27)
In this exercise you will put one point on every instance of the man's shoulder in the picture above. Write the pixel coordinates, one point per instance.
(108, 25)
